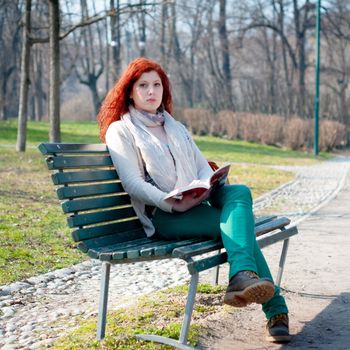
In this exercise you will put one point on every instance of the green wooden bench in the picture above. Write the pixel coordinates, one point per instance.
(106, 227)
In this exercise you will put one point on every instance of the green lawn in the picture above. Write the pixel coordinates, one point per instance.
(75, 132)
(33, 233)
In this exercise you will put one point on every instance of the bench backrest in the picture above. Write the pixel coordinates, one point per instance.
(93, 197)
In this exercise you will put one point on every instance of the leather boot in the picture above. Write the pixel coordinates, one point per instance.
(277, 329)
(245, 287)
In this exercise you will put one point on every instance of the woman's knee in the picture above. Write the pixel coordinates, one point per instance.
(239, 193)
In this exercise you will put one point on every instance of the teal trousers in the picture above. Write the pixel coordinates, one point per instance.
(227, 215)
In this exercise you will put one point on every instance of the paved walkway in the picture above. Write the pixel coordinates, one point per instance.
(36, 311)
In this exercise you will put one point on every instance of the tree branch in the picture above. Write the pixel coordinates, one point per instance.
(91, 20)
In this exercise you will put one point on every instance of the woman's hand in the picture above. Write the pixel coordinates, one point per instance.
(188, 201)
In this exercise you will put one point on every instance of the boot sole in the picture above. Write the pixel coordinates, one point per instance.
(278, 338)
(259, 292)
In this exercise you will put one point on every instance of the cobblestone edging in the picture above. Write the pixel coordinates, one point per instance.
(36, 311)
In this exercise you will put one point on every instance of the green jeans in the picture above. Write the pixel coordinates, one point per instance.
(227, 215)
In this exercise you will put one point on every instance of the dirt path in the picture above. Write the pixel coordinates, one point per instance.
(317, 280)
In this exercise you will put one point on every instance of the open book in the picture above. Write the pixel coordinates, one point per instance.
(199, 186)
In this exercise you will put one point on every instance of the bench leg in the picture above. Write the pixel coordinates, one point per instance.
(216, 271)
(102, 309)
(282, 261)
(182, 342)
(189, 308)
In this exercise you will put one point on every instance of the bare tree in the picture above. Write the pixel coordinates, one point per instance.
(225, 53)
(10, 42)
(54, 71)
(23, 100)
(115, 38)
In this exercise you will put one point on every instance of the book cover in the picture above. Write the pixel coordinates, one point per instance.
(197, 187)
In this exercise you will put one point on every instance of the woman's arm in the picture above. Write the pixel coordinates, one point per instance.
(124, 156)
(188, 201)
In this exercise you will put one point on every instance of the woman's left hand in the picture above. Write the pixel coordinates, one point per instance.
(188, 201)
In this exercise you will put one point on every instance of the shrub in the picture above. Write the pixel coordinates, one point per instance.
(270, 130)
(331, 134)
(294, 133)
(227, 124)
(198, 120)
(297, 134)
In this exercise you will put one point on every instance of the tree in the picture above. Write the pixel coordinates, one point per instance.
(54, 71)
(23, 100)
(10, 42)
(225, 53)
(115, 38)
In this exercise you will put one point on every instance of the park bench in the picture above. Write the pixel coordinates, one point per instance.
(106, 227)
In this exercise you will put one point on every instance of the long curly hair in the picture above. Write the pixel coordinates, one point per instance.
(118, 98)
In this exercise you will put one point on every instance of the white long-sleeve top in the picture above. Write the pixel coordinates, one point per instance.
(127, 159)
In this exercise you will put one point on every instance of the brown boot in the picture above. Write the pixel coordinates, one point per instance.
(245, 287)
(277, 329)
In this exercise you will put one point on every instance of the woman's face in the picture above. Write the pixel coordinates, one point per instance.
(147, 92)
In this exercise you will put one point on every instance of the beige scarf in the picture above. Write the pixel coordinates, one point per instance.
(159, 164)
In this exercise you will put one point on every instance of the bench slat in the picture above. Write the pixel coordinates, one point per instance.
(100, 216)
(120, 249)
(84, 176)
(76, 162)
(95, 245)
(157, 250)
(77, 205)
(212, 261)
(271, 225)
(276, 237)
(198, 248)
(131, 250)
(136, 252)
(262, 226)
(140, 248)
(263, 219)
(89, 190)
(88, 234)
(56, 148)
(167, 249)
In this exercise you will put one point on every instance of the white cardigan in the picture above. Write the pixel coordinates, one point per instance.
(127, 159)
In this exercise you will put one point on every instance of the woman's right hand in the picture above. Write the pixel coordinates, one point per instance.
(188, 201)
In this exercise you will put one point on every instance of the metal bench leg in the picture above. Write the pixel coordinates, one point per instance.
(182, 342)
(282, 261)
(189, 308)
(102, 308)
(216, 271)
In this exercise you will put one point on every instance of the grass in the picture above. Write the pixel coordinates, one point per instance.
(34, 237)
(252, 153)
(75, 132)
(159, 313)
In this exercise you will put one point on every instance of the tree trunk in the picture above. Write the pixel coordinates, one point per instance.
(164, 59)
(300, 35)
(39, 92)
(225, 52)
(287, 76)
(115, 37)
(54, 74)
(142, 28)
(24, 84)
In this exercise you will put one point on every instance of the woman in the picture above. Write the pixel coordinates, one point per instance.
(155, 154)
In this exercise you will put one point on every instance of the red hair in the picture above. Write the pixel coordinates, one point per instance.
(118, 99)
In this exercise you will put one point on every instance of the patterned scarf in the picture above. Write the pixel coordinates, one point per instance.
(156, 119)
